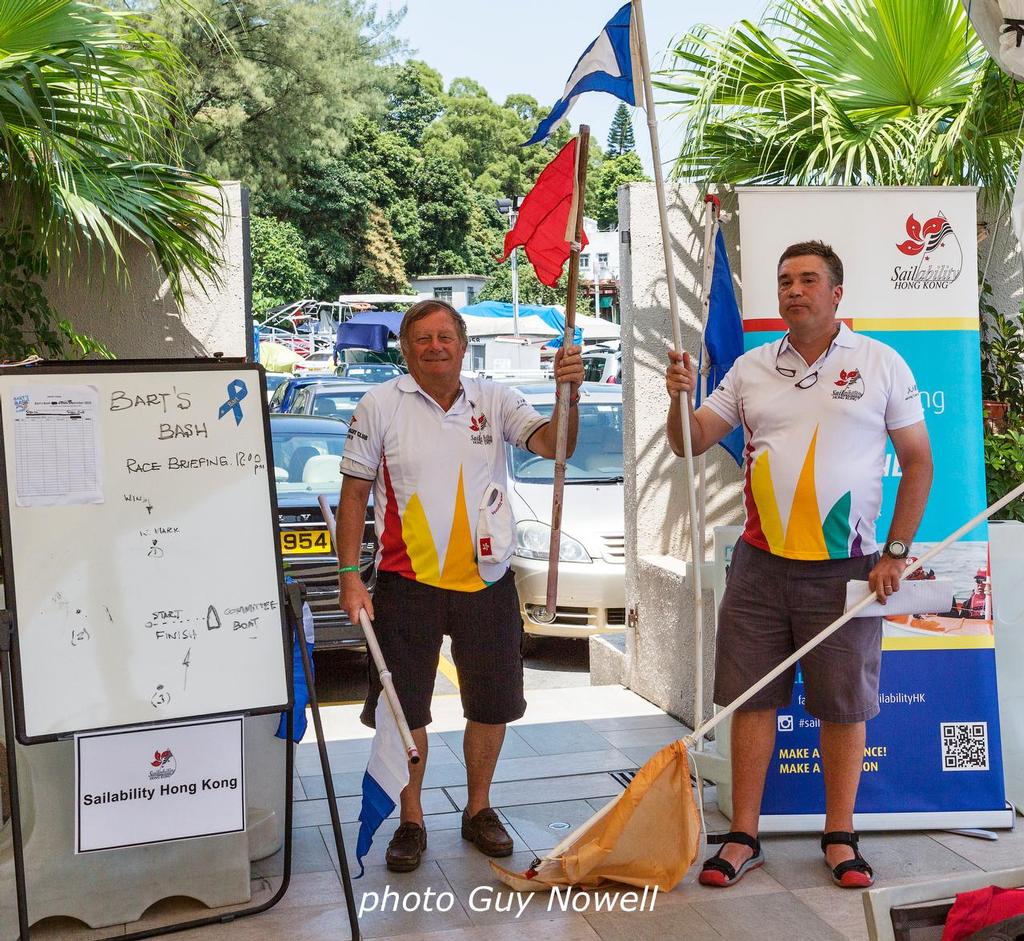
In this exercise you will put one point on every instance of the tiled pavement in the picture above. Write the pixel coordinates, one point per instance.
(553, 772)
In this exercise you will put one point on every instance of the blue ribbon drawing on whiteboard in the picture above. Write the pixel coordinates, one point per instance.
(236, 392)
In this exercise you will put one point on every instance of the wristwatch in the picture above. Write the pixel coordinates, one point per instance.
(896, 549)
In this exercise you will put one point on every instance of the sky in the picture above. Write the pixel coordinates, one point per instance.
(531, 46)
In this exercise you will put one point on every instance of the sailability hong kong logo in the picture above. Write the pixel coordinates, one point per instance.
(935, 249)
(163, 765)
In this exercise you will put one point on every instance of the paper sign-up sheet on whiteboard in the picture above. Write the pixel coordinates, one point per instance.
(163, 600)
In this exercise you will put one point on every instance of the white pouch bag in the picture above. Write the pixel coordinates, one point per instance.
(495, 533)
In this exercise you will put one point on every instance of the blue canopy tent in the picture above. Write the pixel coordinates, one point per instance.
(552, 316)
(368, 330)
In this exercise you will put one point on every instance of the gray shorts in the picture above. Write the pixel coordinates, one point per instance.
(771, 607)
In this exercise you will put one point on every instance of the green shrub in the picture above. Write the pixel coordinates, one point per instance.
(1004, 465)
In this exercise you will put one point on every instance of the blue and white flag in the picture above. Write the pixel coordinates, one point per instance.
(611, 63)
(723, 339)
(387, 774)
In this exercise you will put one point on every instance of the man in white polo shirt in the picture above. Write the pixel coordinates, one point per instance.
(431, 445)
(816, 408)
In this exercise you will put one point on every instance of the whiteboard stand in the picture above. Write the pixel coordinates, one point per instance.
(89, 400)
(16, 828)
(294, 609)
(6, 626)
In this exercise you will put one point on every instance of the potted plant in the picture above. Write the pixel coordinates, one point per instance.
(1002, 356)
(1004, 465)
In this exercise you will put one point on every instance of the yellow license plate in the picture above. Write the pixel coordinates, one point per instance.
(306, 542)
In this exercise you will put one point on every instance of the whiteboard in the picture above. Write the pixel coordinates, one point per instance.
(140, 545)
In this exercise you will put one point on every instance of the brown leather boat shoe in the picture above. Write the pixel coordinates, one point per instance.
(487, 832)
(406, 848)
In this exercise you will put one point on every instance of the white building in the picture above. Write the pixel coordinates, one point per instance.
(457, 289)
(599, 262)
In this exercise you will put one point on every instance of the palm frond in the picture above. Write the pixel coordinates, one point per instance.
(91, 139)
(845, 92)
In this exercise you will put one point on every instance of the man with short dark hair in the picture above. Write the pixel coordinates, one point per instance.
(816, 409)
(432, 447)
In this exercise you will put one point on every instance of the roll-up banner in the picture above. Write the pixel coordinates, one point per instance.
(911, 281)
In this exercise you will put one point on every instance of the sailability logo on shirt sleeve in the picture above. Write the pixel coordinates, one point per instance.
(937, 254)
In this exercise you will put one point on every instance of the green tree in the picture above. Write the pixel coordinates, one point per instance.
(845, 92)
(416, 99)
(290, 82)
(608, 178)
(89, 158)
(620, 134)
(280, 264)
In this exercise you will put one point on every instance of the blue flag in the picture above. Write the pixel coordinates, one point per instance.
(723, 338)
(387, 774)
(611, 63)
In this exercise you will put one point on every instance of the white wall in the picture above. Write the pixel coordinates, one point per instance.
(459, 287)
(137, 316)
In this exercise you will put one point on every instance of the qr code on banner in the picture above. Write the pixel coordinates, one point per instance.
(964, 746)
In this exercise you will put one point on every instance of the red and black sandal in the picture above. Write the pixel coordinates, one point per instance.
(851, 873)
(720, 873)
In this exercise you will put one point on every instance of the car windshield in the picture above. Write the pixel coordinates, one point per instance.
(308, 462)
(373, 373)
(598, 454)
(337, 404)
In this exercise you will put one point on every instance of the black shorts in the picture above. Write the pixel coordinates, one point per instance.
(771, 607)
(411, 619)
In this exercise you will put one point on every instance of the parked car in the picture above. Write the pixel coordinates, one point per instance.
(602, 364)
(328, 399)
(320, 362)
(274, 379)
(370, 372)
(281, 400)
(307, 463)
(592, 569)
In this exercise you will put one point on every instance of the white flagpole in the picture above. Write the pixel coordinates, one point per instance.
(710, 250)
(703, 728)
(696, 535)
(388, 690)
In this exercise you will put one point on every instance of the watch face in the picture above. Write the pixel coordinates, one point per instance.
(897, 549)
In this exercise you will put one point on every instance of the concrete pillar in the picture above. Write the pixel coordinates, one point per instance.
(660, 638)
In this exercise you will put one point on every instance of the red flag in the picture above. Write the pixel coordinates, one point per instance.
(544, 226)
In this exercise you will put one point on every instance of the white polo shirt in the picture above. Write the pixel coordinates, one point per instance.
(430, 470)
(815, 456)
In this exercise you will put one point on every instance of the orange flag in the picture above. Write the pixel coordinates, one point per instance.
(648, 836)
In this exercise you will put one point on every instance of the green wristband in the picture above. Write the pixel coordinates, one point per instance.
(348, 568)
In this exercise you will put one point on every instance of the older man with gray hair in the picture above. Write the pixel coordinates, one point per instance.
(431, 445)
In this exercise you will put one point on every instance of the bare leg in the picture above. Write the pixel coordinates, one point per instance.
(481, 746)
(753, 738)
(412, 809)
(842, 755)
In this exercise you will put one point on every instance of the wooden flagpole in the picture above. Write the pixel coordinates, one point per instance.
(562, 401)
(696, 534)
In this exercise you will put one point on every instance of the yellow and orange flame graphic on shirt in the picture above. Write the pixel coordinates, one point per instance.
(408, 547)
(805, 536)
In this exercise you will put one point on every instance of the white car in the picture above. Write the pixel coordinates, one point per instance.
(602, 364)
(319, 363)
(592, 567)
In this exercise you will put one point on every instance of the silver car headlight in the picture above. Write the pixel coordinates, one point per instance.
(533, 540)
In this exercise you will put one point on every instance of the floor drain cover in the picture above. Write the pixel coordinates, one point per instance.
(624, 777)
(558, 825)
